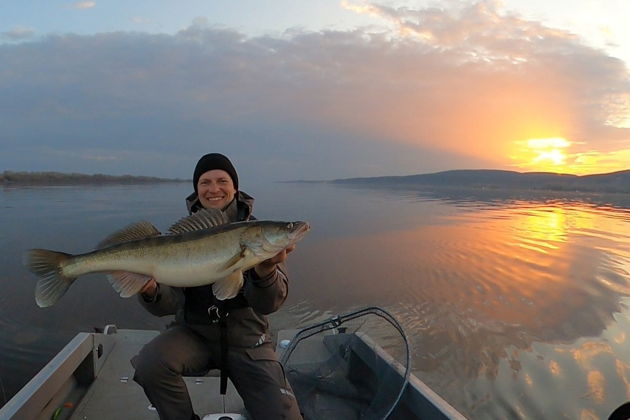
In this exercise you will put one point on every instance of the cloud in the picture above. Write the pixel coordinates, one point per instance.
(480, 27)
(18, 33)
(83, 5)
(318, 104)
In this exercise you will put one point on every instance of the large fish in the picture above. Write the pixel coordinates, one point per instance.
(199, 249)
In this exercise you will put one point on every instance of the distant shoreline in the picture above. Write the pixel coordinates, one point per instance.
(489, 179)
(9, 178)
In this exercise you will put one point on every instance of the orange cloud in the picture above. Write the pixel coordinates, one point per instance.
(489, 80)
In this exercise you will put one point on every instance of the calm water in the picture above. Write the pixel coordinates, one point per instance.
(516, 306)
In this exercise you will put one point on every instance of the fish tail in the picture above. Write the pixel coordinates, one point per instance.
(52, 283)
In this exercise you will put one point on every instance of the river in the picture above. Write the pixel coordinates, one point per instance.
(516, 304)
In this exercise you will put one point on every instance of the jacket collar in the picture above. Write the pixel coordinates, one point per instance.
(244, 203)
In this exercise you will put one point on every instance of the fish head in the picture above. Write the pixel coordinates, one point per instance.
(268, 238)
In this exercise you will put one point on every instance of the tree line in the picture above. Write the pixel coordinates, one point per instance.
(60, 178)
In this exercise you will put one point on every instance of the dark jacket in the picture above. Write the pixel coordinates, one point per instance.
(247, 324)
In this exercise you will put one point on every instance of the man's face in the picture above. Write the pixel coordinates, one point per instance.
(215, 189)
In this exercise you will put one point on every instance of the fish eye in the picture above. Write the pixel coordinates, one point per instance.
(289, 225)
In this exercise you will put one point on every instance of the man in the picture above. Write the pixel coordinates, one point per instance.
(232, 335)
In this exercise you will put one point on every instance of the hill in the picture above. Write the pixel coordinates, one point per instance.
(498, 179)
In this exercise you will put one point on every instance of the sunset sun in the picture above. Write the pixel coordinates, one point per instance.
(548, 154)
(548, 151)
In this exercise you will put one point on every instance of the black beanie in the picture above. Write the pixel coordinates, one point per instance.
(214, 161)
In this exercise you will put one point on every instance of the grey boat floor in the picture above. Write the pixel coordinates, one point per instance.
(114, 394)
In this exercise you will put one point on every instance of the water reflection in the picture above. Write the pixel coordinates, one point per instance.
(484, 289)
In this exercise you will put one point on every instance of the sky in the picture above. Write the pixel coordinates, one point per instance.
(314, 89)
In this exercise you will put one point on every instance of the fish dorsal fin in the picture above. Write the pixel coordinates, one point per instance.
(140, 230)
(203, 219)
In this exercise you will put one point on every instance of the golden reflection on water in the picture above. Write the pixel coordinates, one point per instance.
(589, 415)
(596, 385)
(507, 265)
(544, 227)
(588, 351)
(622, 370)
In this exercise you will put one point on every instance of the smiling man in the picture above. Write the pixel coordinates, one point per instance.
(215, 188)
(232, 335)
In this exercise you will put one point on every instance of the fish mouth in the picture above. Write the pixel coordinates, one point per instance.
(299, 230)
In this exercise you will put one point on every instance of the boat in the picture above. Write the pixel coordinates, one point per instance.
(336, 371)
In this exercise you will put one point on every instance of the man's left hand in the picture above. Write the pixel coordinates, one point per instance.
(266, 267)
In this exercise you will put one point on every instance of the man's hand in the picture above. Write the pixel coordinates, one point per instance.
(267, 267)
(149, 289)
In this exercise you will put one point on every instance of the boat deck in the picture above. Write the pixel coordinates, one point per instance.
(91, 378)
(114, 395)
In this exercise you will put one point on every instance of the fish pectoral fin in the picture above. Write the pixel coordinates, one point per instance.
(127, 284)
(233, 262)
(229, 286)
